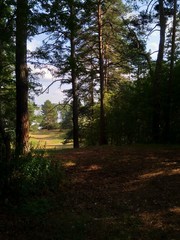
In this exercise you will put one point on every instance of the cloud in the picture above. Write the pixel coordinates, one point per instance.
(47, 76)
(32, 45)
(53, 96)
(35, 42)
(45, 73)
(153, 44)
(54, 93)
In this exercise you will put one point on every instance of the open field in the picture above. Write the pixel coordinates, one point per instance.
(48, 139)
(109, 193)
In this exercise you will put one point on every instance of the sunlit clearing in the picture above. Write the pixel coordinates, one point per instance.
(175, 210)
(174, 171)
(151, 175)
(93, 167)
(69, 164)
(159, 173)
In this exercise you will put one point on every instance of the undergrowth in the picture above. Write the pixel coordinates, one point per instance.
(32, 176)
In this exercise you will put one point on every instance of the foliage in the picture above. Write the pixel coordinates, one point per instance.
(34, 117)
(89, 125)
(50, 115)
(66, 116)
(32, 175)
(129, 117)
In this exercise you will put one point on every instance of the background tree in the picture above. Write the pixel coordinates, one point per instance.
(50, 115)
(170, 78)
(100, 53)
(158, 72)
(35, 118)
(65, 112)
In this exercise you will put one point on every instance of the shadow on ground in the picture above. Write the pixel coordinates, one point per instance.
(113, 193)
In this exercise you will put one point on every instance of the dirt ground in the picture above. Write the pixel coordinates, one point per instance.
(113, 193)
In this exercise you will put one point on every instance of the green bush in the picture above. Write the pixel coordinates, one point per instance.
(33, 175)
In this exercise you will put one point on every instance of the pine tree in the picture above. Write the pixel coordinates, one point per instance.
(22, 122)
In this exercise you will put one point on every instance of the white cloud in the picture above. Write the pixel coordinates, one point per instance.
(153, 44)
(47, 76)
(32, 45)
(54, 93)
(54, 97)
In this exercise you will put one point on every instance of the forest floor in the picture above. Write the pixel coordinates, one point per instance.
(110, 193)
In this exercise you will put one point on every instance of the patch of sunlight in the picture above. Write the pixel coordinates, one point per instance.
(152, 219)
(151, 157)
(174, 171)
(151, 175)
(39, 136)
(169, 163)
(159, 173)
(93, 167)
(69, 164)
(175, 210)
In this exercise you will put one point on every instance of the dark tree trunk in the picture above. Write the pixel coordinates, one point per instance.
(74, 81)
(157, 76)
(6, 141)
(170, 79)
(22, 122)
(103, 137)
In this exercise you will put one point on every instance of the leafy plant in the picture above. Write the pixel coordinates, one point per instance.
(33, 175)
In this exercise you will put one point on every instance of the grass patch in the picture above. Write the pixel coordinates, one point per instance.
(49, 139)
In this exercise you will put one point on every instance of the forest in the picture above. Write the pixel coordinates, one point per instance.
(121, 104)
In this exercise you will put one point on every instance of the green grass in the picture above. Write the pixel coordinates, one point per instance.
(49, 139)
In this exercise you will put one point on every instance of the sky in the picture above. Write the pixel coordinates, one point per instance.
(55, 93)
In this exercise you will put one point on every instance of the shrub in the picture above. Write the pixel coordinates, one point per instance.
(33, 175)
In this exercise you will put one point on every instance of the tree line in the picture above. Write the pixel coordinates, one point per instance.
(119, 93)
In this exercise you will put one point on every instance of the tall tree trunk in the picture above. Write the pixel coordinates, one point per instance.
(6, 140)
(170, 79)
(74, 80)
(22, 121)
(158, 75)
(103, 137)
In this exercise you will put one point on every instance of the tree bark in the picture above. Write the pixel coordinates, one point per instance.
(103, 137)
(157, 76)
(22, 120)
(74, 80)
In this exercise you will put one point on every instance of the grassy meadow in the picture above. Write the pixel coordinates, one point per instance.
(49, 139)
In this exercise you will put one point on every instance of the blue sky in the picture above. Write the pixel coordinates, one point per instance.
(55, 93)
